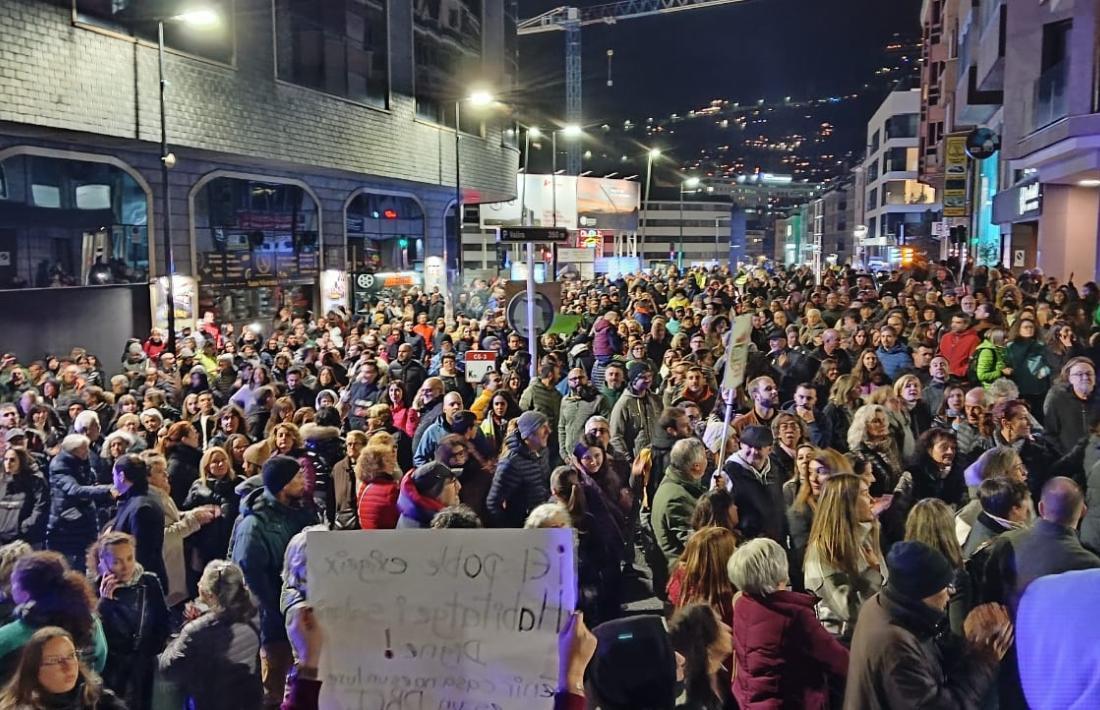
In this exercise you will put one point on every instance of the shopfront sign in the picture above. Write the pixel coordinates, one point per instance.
(1022, 203)
(956, 167)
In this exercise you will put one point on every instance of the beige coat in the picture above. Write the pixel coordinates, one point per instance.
(177, 526)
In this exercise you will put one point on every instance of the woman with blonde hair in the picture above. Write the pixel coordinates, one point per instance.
(869, 437)
(216, 489)
(809, 335)
(844, 400)
(913, 410)
(932, 522)
(376, 471)
(700, 576)
(843, 564)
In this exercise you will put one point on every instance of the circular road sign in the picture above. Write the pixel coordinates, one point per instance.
(982, 143)
(516, 313)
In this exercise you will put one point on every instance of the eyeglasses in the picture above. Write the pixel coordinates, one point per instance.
(51, 661)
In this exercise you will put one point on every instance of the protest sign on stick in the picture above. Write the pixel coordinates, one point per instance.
(435, 619)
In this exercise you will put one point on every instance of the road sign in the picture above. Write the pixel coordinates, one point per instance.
(516, 313)
(523, 235)
(478, 364)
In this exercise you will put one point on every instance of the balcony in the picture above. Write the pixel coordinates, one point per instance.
(1048, 96)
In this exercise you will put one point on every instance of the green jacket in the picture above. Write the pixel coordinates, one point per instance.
(670, 515)
(991, 361)
(15, 635)
(1030, 370)
(542, 399)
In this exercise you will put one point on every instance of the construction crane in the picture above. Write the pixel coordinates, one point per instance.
(570, 20)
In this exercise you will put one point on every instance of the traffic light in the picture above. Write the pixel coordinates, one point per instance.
(958, 234)
(403, 243)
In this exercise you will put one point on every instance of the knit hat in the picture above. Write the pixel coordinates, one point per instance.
(14, 433)
(757, 436)
(134, 348)
(634, 664)
(917, 571)
(278, 471)
(776, 334)
(529, 423)
(430, 478)
(637, 369)
(257, 453)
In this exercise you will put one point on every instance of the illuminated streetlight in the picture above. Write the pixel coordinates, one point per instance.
(534, 132)
(571, 130)
(480, 98)
(654, 153)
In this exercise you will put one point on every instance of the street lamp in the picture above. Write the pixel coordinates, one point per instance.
(692, 183)
(195, 17)
(570, 130)
(651, 155)
(478, 98)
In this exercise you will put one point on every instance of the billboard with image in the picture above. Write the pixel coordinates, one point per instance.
(579, 202)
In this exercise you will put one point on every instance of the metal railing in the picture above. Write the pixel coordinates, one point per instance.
(1049, 102)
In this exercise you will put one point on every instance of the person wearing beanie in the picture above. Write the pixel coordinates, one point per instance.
(757, 485)
(270, 516)
(522, 478)
(634, 667)
(634, 417)
(424, 492)
(902, 657)
(140, 514)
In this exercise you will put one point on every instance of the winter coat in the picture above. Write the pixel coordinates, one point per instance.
(140, 514)
(24, 508)
(15, 634)
(344, 498)
(1067, 417)
(842, 596)
(670, 516)
(576, 410)
(212, 541)
(540, 398)
(377, 507)
(957, 348)
(183, 471)
(177, 527)
(1030, 371)
(323, 449)
(136, 624)
(634, 421)
(429, 415)
(73, 499)
(216, 662)
(606, 341)
(784, 658)
(898, 660)
(521, 482)
(759, 500)
(895, 361)
(990, 362)
(1090, 524)
(416, 509)
(258, 545)
(405, 418)
(411, 374)
(840, 420)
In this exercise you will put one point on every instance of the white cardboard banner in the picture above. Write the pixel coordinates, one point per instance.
(433, 619)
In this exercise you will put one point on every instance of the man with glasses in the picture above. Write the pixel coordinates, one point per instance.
(581, 404)
(1012, 427)
(1071, 407)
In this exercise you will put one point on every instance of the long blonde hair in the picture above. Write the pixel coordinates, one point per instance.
(932, 522)
(835, 532)
(703, 562)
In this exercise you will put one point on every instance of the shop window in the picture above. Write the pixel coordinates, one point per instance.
(907, 192)
(385, 233)
(257, 246)
(138, 18)
(447, 54)
(335, 46)
(71, 223)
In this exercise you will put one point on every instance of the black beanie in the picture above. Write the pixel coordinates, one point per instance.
(917, 571)
(635, 664)
(279, 471)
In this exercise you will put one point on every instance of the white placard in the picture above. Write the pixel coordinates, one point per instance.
(479, 363)
(426, 619)
(738, 354)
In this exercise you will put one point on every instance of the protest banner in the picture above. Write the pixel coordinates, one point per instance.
(431, 619)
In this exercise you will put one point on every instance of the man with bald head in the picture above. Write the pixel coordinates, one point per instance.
(1019, 557)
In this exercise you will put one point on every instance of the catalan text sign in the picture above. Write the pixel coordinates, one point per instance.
(427, 619)
(479, 363)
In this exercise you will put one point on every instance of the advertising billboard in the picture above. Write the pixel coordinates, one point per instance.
(584, 202)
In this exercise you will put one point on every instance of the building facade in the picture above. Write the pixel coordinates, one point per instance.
(696, 228)
(898, 209)
(314, 147)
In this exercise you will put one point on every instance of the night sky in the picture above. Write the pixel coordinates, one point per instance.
(756, 49)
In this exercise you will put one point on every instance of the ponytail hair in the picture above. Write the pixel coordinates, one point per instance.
(222, 585)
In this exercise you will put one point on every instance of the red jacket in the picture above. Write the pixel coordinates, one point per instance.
(957, 348)
(378, 505)
(784, 656)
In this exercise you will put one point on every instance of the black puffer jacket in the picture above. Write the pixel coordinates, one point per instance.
(183, 471)
(24, 508)
(521, 482)
(324, 448)
(73, 499)
(211, 541)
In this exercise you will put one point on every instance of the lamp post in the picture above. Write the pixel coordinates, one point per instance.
(571, 130)
(478, 99)
(651, 155)
(196, 18)
(692, 183)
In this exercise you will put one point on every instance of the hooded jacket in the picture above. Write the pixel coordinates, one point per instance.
(258, 545)
(416, 509)
(758, 495)
(634, 421)
(324, 449)
(377, 507)
(521, 482)
(894, 360)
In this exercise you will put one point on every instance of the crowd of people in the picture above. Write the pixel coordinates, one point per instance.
(894, 509)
